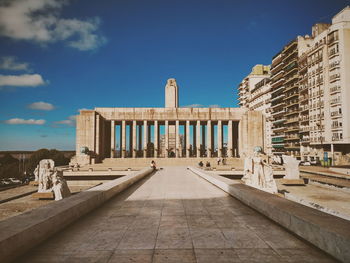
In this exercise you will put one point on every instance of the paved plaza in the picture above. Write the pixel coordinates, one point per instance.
(174, 216)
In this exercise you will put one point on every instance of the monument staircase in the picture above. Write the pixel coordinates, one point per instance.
(231, 163)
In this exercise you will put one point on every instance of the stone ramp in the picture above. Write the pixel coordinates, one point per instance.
(174, 216)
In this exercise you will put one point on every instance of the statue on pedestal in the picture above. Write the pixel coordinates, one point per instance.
(51, 180)
(258, 173)
(291, 165)
(59, 185)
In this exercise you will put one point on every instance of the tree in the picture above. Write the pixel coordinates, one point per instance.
(9, 166)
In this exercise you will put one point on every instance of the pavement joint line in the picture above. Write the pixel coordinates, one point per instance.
(17, 196)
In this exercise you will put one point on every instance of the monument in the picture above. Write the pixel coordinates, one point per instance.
(291, 166)
(140, 130)
(51, 183)
(258, 173)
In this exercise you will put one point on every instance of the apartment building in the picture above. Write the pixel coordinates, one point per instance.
(324, 92)
(306, 97)
(260, 100)
(258, 73)
(254, 94)
(285, 97)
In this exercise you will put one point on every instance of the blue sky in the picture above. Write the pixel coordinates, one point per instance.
(57, 57)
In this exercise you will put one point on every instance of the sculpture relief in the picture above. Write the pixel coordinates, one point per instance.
(291, 165)
(258, 173)
(51, 180)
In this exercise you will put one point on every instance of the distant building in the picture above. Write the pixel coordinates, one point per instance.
(325, 91)
(285, 97)
(306, 100)
(254, 93)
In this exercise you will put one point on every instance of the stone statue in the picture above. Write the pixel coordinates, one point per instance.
(44, 181)
(291, 165)
(59, 185)
(36, 173)
(51, 180)
(258, 173)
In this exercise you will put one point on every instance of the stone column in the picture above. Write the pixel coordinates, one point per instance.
(145, 136)
(112, 138)
(187, 139)
(166, 139)
(332, 154)
(155, 139)
(134, 149)
(97, 134)
(177, 154)
(123, 133)
(219, 139)
(229, 139)
(198, 138)
(240, 139)
(140, 139)
(209, 142)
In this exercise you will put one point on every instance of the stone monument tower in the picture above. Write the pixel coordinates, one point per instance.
(171, 94)
(171, 101)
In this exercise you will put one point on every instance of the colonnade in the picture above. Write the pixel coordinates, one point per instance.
(172, 143)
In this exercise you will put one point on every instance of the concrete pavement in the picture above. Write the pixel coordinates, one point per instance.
(174, 216)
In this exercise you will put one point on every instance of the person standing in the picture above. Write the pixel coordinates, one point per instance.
(153, 165)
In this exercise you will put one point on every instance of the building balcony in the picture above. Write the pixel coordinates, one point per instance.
(332, 39)
(275, 107)
(336, 114)
(277, 82)
(278, 146)
(278, 129)
(277, 140)
(291, 146)
(292, 138)
(291, 103)
(292, 120)
(336, 127)
(277, 98)
(295, 77)
(277, 59)
(292, 44)
(279, 121)
(292, 129)
(304, 108)
(291, 112)
(275, 114)
(277, 90)
(277, 75)
(335, 101)
(304, 118)
(335, 89)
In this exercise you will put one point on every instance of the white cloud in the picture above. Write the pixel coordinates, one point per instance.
(214, 106)
(40, 21)
(41, 106)
(10, 63)
(23, 121)
(25, 80)
(70, 121)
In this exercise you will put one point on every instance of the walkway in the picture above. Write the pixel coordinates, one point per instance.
(174, 216)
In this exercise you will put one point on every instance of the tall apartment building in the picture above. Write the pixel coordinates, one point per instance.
(324, 99)
(254, 94)
(258, 73)
(285, 97)
(260, 100)
(309, 94)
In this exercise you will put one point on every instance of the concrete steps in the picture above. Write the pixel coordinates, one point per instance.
(145, 162)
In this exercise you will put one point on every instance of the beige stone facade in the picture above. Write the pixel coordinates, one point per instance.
(140, 131)
(325, 91)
